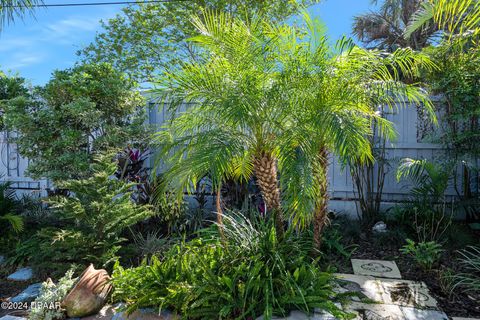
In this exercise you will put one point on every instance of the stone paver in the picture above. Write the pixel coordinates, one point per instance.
(407, 293)
(12, 318)
(365, 286)
(376, 311)
(23, 274)
(422, 314)
(376, 268)
(29, 294)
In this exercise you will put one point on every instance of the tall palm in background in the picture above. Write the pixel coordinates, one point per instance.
(274, 101)
(385, 28)
(11, 10)
(454, 17)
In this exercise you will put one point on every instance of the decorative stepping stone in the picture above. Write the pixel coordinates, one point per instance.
(376, 268)
(29, 294)
(12, 318)
(376, 311)
(365, 287)
(23, 274)
(423, 314)
(406, 293)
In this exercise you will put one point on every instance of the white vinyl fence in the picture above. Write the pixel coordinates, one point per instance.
(411, 142)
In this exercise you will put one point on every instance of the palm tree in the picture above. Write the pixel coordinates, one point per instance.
(274, 102)
(454, 17)
(232, 120)
(10, 10)
(337, 93)
(385, 28)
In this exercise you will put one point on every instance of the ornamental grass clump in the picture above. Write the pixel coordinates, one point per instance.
(244, 274)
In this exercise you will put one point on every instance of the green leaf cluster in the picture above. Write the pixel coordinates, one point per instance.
(146, 38)
(425, 254)
(244, 274)
(92, 219)
(270, 88)
(80, 112)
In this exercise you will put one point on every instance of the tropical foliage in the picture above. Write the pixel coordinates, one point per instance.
(92, 219)
(9, 219)
(269, 98)
(82, 111)
(386, 28)
(11, 10)
(245, 273)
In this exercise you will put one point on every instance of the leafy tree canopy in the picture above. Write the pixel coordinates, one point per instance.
(10, 87)
(146, 38)
(80, 112)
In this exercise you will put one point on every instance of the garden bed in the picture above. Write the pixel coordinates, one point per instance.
(375, 248)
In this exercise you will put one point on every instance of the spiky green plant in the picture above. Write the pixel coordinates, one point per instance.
(469, 279)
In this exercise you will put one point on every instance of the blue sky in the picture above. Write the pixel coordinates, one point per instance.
(35, 47)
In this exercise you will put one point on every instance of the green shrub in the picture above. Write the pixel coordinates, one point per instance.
(469, 280)
(82, 111)
(425, 254)
(247, 273)
(47, 304)
(94, 216)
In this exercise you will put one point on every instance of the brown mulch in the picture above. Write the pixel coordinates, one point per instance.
(457, 304)
(10, 289)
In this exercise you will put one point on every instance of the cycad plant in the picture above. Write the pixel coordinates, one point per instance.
(274, 101)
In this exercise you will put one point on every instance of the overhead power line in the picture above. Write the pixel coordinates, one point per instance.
(83, 4)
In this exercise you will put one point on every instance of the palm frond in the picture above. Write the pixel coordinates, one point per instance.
(15, 222)
(11, 10)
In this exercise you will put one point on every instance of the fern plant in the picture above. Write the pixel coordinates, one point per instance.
(247, 272)
(8, 218)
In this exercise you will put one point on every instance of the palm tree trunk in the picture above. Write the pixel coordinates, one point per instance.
(265, 168)
(321, 214)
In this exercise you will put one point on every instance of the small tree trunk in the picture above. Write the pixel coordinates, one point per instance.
(321, 214)
(218, 204)
(265, 168)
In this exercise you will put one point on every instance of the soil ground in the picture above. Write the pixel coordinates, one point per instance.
(459, 304)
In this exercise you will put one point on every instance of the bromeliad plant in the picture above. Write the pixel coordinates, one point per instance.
(273, 101)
